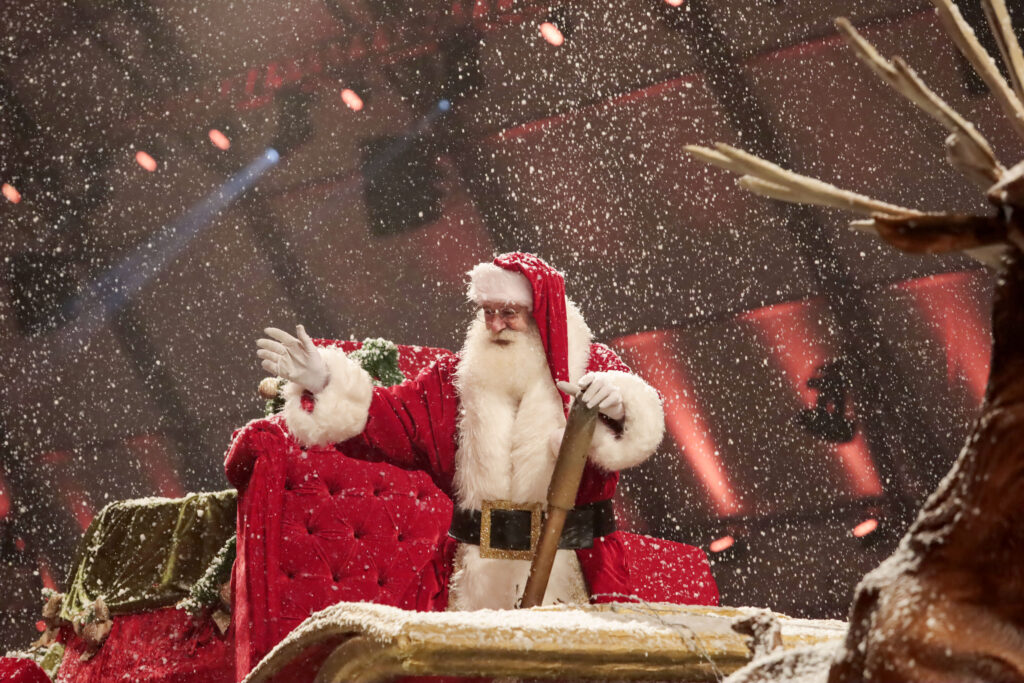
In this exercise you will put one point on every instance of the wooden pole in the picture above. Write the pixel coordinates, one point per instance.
(565, 482)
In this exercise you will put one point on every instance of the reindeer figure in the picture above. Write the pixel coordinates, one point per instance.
(948, 605)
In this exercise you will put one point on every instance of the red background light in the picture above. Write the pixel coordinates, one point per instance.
(11, 193)
(723, 543)
(219, 140)
(145, 161)
(551, 33)
(865, 527)
(351, 99)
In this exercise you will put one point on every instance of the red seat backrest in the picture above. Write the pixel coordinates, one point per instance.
(317, 527)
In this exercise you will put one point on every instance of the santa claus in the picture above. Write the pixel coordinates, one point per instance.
(486, 425)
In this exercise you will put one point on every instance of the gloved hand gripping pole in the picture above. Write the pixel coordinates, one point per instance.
(565, 483)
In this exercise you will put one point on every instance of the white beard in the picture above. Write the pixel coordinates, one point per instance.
(509, 408)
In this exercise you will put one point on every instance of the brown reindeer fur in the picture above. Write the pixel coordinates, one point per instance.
(948, 605)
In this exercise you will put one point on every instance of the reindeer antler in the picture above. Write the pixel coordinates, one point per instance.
(968, 150)
(964, 38)
(766, 179)
(1002, 29)
(909, 229)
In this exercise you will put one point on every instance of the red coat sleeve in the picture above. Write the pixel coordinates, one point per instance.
(412, 425)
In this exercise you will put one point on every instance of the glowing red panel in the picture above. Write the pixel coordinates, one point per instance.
(5, 499)
(11, 193)
(145, 161)
(78, 505)
(865, 527)
(720, 544)
(652, 355)
(219, 140)
(151, 450)
(56, 457)
(351, 99)
(551, 33)
(943, 301)
(46, 575)
(792, 336)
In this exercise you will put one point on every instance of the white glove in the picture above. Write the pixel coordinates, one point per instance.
(296, 360)
(599, 390)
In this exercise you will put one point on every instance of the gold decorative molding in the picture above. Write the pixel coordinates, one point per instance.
(621, 641)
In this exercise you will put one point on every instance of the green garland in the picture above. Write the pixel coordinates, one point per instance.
(206, 591)
(379, 357)
(275, 405)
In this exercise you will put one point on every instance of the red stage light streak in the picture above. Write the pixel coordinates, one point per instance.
(78, 505)
(11, 193)
(866, 527)
(352, 100)
(5, 499)
(652, 357)
(791, 336)
(46, 575)
(723, 543)
(552, 34)
(219, 140)
(145, 161)
(151, 452)
(75, 498)
(940, 299)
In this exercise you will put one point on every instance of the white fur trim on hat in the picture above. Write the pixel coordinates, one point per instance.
(491, 283)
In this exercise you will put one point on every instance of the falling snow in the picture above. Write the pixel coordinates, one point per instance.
(177, 177)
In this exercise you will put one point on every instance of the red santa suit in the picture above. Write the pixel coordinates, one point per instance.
(481, 424)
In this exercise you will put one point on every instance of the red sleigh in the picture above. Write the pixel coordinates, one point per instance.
(316, 527)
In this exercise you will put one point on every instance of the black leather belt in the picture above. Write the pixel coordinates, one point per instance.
(510, 531)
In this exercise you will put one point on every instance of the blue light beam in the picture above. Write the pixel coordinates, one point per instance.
(109, 293)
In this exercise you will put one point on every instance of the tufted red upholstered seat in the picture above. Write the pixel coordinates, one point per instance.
(316, 527)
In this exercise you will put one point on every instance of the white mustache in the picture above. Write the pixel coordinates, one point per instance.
(504, 335)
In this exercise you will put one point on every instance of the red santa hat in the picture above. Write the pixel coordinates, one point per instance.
(526, 280)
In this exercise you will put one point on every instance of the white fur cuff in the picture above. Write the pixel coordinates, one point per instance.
(339, 411)
(643, 426)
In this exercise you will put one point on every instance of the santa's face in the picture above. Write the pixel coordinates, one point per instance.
(504, 321)
(503, 352)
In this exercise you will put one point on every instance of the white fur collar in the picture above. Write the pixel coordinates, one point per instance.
(509, 408)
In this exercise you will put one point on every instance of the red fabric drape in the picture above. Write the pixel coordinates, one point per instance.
(16, 670)
(162, 646)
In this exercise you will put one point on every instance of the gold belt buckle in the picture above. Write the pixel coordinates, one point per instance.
(536, 512)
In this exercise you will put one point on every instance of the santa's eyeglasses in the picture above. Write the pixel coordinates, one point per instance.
(506, 313)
